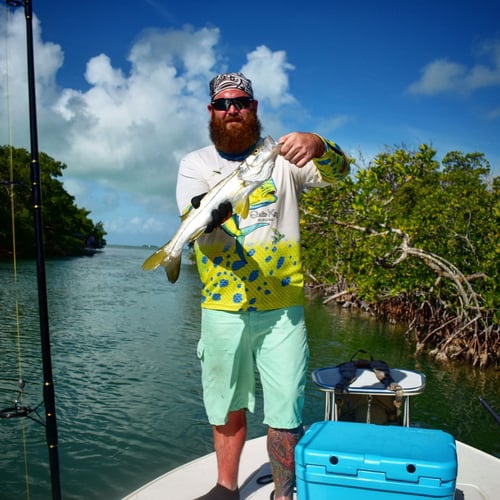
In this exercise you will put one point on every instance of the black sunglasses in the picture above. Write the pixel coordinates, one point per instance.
(237, 102)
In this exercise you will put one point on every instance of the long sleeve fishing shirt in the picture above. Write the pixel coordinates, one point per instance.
(255, 263)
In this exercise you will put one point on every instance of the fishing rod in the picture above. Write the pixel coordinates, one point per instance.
(48, 384)
(492, 412)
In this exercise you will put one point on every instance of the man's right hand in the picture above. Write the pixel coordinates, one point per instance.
(219, 215)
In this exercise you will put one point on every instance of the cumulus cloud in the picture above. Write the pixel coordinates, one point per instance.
(443, 75)
(269, 74)
(127, 131)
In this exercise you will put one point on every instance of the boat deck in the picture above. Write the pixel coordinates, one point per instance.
(478, 476)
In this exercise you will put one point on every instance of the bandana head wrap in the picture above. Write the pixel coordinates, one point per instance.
(227, 81)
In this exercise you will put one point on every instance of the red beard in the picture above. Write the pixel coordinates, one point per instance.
(234, 135)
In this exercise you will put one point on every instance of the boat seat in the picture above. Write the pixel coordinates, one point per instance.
(367, 384)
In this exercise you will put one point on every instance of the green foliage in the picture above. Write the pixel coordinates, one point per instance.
(67, 229)
(353, 231)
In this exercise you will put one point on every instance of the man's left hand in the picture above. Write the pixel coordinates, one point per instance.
(301, 147)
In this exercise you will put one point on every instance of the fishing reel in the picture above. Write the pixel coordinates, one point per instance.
(19, 410)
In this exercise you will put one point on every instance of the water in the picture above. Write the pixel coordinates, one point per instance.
(127, 379)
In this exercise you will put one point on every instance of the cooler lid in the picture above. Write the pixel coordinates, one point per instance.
(401, 453)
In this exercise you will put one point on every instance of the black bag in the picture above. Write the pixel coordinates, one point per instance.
(375, 409)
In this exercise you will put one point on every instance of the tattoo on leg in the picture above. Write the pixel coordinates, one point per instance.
(280, 447)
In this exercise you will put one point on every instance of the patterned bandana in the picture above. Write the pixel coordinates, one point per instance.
(227, 81)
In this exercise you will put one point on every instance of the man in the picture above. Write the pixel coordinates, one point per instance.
(252, 293)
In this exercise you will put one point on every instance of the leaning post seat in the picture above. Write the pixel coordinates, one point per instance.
(366, 383)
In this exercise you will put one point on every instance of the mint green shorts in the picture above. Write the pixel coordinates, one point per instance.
(234, 345)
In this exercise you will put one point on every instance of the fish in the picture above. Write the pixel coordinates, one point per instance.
(235, 188)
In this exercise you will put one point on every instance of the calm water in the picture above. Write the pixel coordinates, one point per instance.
(127, 378)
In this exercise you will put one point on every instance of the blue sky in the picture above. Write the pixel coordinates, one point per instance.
(122, 86)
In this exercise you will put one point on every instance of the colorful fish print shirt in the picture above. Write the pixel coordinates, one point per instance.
(254, 263)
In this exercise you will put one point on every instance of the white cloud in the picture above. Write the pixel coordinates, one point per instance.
(443, 75)
(269, 74)
(128, 130)
(329, 125)
(439, 76)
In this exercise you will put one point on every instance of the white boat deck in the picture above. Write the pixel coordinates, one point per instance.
(478, 476)
(195, 478)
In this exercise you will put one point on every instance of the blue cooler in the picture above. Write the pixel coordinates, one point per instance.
(358, 461)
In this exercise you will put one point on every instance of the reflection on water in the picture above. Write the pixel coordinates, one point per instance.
(127, 378)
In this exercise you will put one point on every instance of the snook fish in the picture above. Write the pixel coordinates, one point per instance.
(235, 188)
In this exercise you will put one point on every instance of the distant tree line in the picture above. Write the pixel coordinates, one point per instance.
(414, 240)
(68, 231)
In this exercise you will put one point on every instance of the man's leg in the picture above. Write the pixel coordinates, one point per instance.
(228, 380)
(282, 359)
(229, 440)
(281, 449)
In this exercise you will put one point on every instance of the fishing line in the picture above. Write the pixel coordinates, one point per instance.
(19, 409)
(36, 197)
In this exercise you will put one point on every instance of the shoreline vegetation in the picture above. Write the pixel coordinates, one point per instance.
(406, 238)
(415, 241)
(67, 229)
(433, 330)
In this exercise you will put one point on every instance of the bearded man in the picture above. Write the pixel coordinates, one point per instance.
(252, 283)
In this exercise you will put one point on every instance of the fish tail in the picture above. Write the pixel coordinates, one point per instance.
(163, 257)
(173, 268)
(153, 261)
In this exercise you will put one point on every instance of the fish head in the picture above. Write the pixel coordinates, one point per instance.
(258, 166)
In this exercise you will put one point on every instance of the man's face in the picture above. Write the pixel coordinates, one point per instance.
(234, 126)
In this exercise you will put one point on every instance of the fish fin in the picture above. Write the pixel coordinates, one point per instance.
(173, 268)
(154, 260)
(243, 207)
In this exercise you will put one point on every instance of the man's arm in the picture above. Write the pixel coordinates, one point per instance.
(301, 147)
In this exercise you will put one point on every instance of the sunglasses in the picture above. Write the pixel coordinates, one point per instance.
(237, 102)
